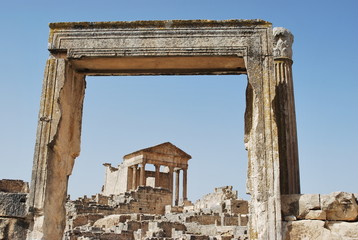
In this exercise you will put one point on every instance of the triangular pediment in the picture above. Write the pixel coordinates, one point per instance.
(166, 148)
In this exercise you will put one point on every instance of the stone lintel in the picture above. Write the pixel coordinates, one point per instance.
(160, 24)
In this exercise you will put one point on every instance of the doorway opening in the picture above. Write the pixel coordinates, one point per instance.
(201, 114)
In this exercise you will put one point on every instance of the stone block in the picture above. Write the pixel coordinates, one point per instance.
(236, 206)
(13, 204)
(244, 219)
(299, 205)
(13, 186)
(346, 230)
(305, 229)
(108, 221)
(340, 206)
(13, 228)
(316, 215)
(84, 219)
(320, 230)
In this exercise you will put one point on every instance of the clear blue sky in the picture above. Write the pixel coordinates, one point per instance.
(201, 115)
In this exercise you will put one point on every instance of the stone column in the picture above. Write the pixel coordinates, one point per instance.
(185, 184)
(171, 169)
(177, 178)
(134, 177)
(142, 174)
(157, 175)
(284, 106)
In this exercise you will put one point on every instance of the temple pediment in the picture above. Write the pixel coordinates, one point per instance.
(164, 149)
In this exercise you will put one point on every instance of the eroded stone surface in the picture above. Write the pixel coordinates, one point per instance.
(13, 204)
(340, 206)
(299, 205)
(346, 230)
(337, 206)
(13, 186)
(320, 230)
(13, 229)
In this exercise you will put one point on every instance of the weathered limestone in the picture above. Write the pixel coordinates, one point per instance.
(157, 48)
(337, 206)
(13, 205)
(13, 186)
(13, 223)
(340, 206)
(299, 205)
(320, 216)
(13, 228)
(320, 230)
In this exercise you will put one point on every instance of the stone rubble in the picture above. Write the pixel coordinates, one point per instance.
(219, 215)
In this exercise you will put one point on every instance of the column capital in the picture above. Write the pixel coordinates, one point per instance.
(282, 43)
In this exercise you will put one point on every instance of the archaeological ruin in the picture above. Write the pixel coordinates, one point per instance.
(127, 176)
(140, 205)
(147, 204)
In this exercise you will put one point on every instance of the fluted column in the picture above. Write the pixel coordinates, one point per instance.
(157, 175)
(142, 174)
(285, 112)
(185, 184)
(134, 177)
(177, 178)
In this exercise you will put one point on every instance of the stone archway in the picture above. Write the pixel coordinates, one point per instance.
(175, 48)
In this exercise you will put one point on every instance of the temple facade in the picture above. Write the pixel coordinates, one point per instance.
(170, 163)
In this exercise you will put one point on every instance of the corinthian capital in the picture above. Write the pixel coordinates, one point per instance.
(282, 43)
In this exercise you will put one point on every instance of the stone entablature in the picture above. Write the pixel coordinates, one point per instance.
(132, 173)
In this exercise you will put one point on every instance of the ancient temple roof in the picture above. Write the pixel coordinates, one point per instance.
(166, 148)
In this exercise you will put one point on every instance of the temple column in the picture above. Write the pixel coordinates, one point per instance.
(171, 169)
(157, 175)
(284, 105)
(185, 184)
(177, 177)
(142, 174)
(134, 177)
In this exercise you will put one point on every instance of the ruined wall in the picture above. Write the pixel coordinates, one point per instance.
(144, 200)
(115, 181)
(320, 216)
(13, 196)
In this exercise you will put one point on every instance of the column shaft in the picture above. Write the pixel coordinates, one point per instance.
(171, 169)
(177, 177)
(134, 177)
(142, 175)
(284, 107)
(157, 175)
(286, 120)
(185, 184)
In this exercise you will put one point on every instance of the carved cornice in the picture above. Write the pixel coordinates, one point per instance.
(282, 43)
